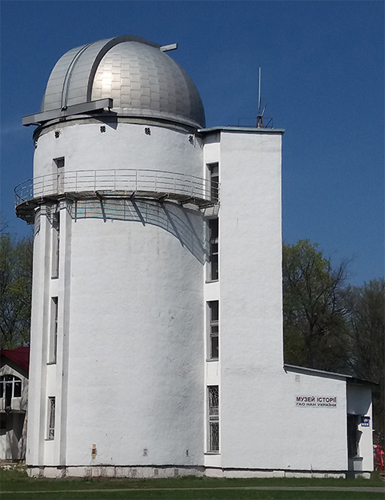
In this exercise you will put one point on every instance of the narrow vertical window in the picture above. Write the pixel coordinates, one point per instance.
(17, 388)
(54, 329)
(213, 325)
(213, 169)
(51, 418)
(213, 419)
(8, 390)
(58, 174)
(55, 245)
(213, 226)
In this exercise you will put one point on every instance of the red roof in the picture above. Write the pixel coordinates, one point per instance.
(19, 356)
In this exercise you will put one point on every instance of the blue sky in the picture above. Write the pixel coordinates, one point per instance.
(322, 78)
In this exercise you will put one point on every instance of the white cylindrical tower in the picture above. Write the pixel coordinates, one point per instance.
(116, 376)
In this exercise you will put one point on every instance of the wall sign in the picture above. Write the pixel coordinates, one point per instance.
(365, 421)
(316, 401)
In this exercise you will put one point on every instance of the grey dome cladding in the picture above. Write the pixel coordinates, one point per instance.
(142, 80)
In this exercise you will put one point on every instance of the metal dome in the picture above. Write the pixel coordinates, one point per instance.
(136, 74)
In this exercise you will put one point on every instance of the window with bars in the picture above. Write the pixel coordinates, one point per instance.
(213, 326)
(51, 418)
(213, 227)
(213, 418)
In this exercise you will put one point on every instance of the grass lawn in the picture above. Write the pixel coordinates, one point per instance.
(15, 485)
(197, 495)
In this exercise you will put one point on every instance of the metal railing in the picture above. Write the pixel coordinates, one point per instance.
(118, 181)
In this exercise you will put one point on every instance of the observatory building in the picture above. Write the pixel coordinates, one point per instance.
(156, 342)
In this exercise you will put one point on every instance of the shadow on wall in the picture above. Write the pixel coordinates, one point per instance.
(184, 224)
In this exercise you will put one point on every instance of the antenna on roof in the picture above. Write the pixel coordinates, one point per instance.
(260, 114)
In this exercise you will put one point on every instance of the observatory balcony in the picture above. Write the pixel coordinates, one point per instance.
(120, 183)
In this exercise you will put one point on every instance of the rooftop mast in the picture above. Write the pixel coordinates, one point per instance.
(260, 114)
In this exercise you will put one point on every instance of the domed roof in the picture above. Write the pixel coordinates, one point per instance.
(141, 79)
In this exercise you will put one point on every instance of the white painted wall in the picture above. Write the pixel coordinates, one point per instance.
(260, 424)
(135, 347)
(129, 373)
(359, 402)
(38, 344)
(280, 435)
(250, 254)
(122, 146)
(250, 292)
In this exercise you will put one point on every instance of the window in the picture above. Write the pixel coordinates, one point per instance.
(213, 169)
(51, 418)
(54, 328)
(213, 227)
(59, 162)
(10, 387)
(58, 175)
(17, 388)
(55, 245)
(213, 418)
(213, 348)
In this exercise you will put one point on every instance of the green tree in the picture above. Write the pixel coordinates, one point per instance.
(313, 308)
(15, 291)
(365, 307)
